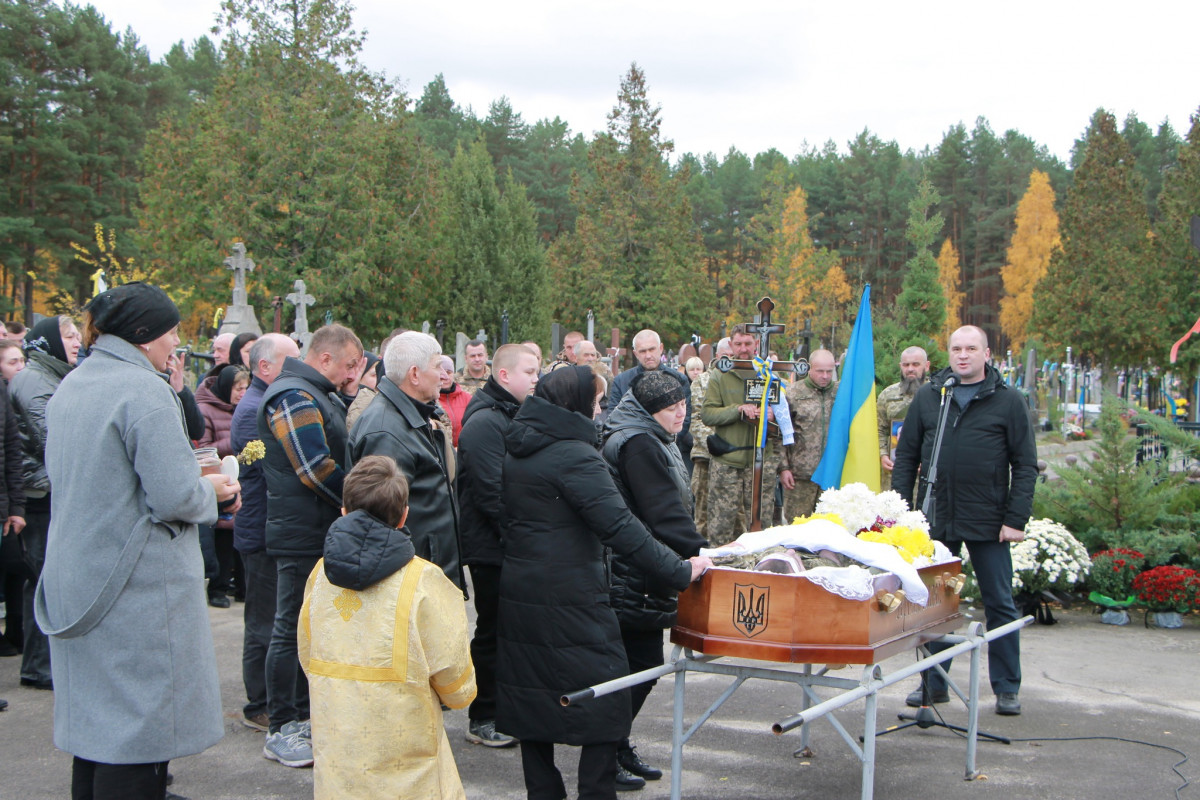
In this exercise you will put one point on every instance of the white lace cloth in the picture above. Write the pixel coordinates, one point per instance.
(852, 583)
(822, 534)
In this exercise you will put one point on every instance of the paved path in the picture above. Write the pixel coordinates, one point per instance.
(1081, 679)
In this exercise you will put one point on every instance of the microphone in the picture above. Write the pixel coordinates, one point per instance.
(950, 382)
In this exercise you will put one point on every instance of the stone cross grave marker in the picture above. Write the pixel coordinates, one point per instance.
(301, 299)
(239, 316)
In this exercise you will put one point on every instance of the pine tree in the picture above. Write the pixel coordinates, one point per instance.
(1103, 292)
(1033, 243)
(1178, 202)
(950, 279)
(921, 303)
(634, 253)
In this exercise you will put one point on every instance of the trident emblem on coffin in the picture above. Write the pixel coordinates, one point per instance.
(750, 606)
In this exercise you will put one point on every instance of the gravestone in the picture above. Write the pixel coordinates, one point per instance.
(556, 339)
(301, 299)
(425, 327)
(591, 326)
(460, 351)
(239, 316)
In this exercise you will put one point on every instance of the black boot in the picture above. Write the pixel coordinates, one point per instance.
(628, 760)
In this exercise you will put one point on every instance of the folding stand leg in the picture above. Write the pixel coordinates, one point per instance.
(868, 747)
(677, 735)
(973, 714)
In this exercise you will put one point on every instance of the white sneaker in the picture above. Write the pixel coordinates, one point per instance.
(289, 747)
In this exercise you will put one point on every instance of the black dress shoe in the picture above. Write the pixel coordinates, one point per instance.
(628, 759)
(219, 601)
(916, 698)
(3, 704)
(7, 648)
(627, 781)
(34, 684)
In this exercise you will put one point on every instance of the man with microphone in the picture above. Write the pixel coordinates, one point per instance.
(983, 495)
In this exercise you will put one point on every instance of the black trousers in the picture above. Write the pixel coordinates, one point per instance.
(993, 571)
(35, 661)
(485, 578)
(644, 649)
(259, 620)
(597, 771)
(91, 780)
(12, 567)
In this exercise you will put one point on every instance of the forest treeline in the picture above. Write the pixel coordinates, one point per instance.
(397, 208)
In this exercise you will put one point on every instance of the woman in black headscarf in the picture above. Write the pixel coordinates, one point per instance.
(557, 632)
(51, 351)
(239, 348)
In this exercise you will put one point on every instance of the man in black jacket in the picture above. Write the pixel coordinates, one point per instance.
(480, 474)
(397, 424)
(984, 492)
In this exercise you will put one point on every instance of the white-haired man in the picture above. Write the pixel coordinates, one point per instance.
(648, 349)
(397, 423)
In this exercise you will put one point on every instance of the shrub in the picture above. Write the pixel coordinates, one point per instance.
(1113, 572)
(1168, 588)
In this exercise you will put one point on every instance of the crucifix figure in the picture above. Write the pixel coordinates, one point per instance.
(240, 264)
(301, 299)
(591, 326)
(762, 328)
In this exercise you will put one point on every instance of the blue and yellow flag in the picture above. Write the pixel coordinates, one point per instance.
(852, 449)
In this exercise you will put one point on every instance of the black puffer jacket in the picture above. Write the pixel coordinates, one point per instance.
(557, 631)
(481, 470)
(360, 551)
(395, 425)
(988, 464)
(652, 478)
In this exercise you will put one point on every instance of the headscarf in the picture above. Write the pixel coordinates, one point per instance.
(136, 312)
(46, 337)
(235, 349)
(226, 378)
(573, 388)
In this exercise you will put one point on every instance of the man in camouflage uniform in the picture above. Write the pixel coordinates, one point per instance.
(476, 373)
(700, 433)
(891, 406)
(731, 476)
(810, 401)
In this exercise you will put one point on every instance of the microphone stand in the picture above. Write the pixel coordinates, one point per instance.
(928, 505)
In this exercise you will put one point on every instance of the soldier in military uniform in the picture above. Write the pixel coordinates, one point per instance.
(892, 404)
(700, 433)
(476, 373)
(731, 476)
(811, 402)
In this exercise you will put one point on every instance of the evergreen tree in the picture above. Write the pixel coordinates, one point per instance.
(921, 303)
(1178, 204)
(1033, 243)
(1103, 292)
(442, 123)
(312, 162)
(552, 156)
(496, 261)
(950, 279)
(505, 132)
(634, 252)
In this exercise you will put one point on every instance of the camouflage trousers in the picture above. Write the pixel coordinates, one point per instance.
(700, 494)
(730, 493)
(801, 500)
(885, 479)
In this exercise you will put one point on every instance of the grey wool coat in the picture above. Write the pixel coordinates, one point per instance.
(122, 592)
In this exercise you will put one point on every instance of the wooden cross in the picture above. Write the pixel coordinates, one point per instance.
(762, 328)
(240, 264)
(616, 351)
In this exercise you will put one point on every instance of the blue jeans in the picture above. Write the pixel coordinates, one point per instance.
(287, 686)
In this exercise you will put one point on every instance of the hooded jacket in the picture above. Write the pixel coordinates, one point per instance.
(481, 471)
(30, 391)
(988, 464)
(557, 631)
(383, 638)
(652, 479)
(218, 417)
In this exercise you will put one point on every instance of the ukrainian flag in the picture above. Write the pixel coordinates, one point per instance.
(852, 448)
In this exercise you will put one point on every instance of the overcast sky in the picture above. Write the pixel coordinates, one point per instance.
(758, 74)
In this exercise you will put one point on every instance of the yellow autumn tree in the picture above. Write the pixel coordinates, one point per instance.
(950, 279)
(807, 282)
(1034, 240)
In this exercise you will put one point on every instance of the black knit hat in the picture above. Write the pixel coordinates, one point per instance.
(655, 390)
(137, 312)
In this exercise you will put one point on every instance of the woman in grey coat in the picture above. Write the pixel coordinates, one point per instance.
(122, 591)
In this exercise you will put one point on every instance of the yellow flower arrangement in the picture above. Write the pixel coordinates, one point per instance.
(828, 515)
(253, 451)
(910, 542)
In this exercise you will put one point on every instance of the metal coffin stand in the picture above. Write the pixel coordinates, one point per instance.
(866, 634)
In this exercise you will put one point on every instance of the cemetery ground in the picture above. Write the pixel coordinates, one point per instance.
(1081, 679)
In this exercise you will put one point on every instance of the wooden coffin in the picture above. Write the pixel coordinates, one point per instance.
(786, 618)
